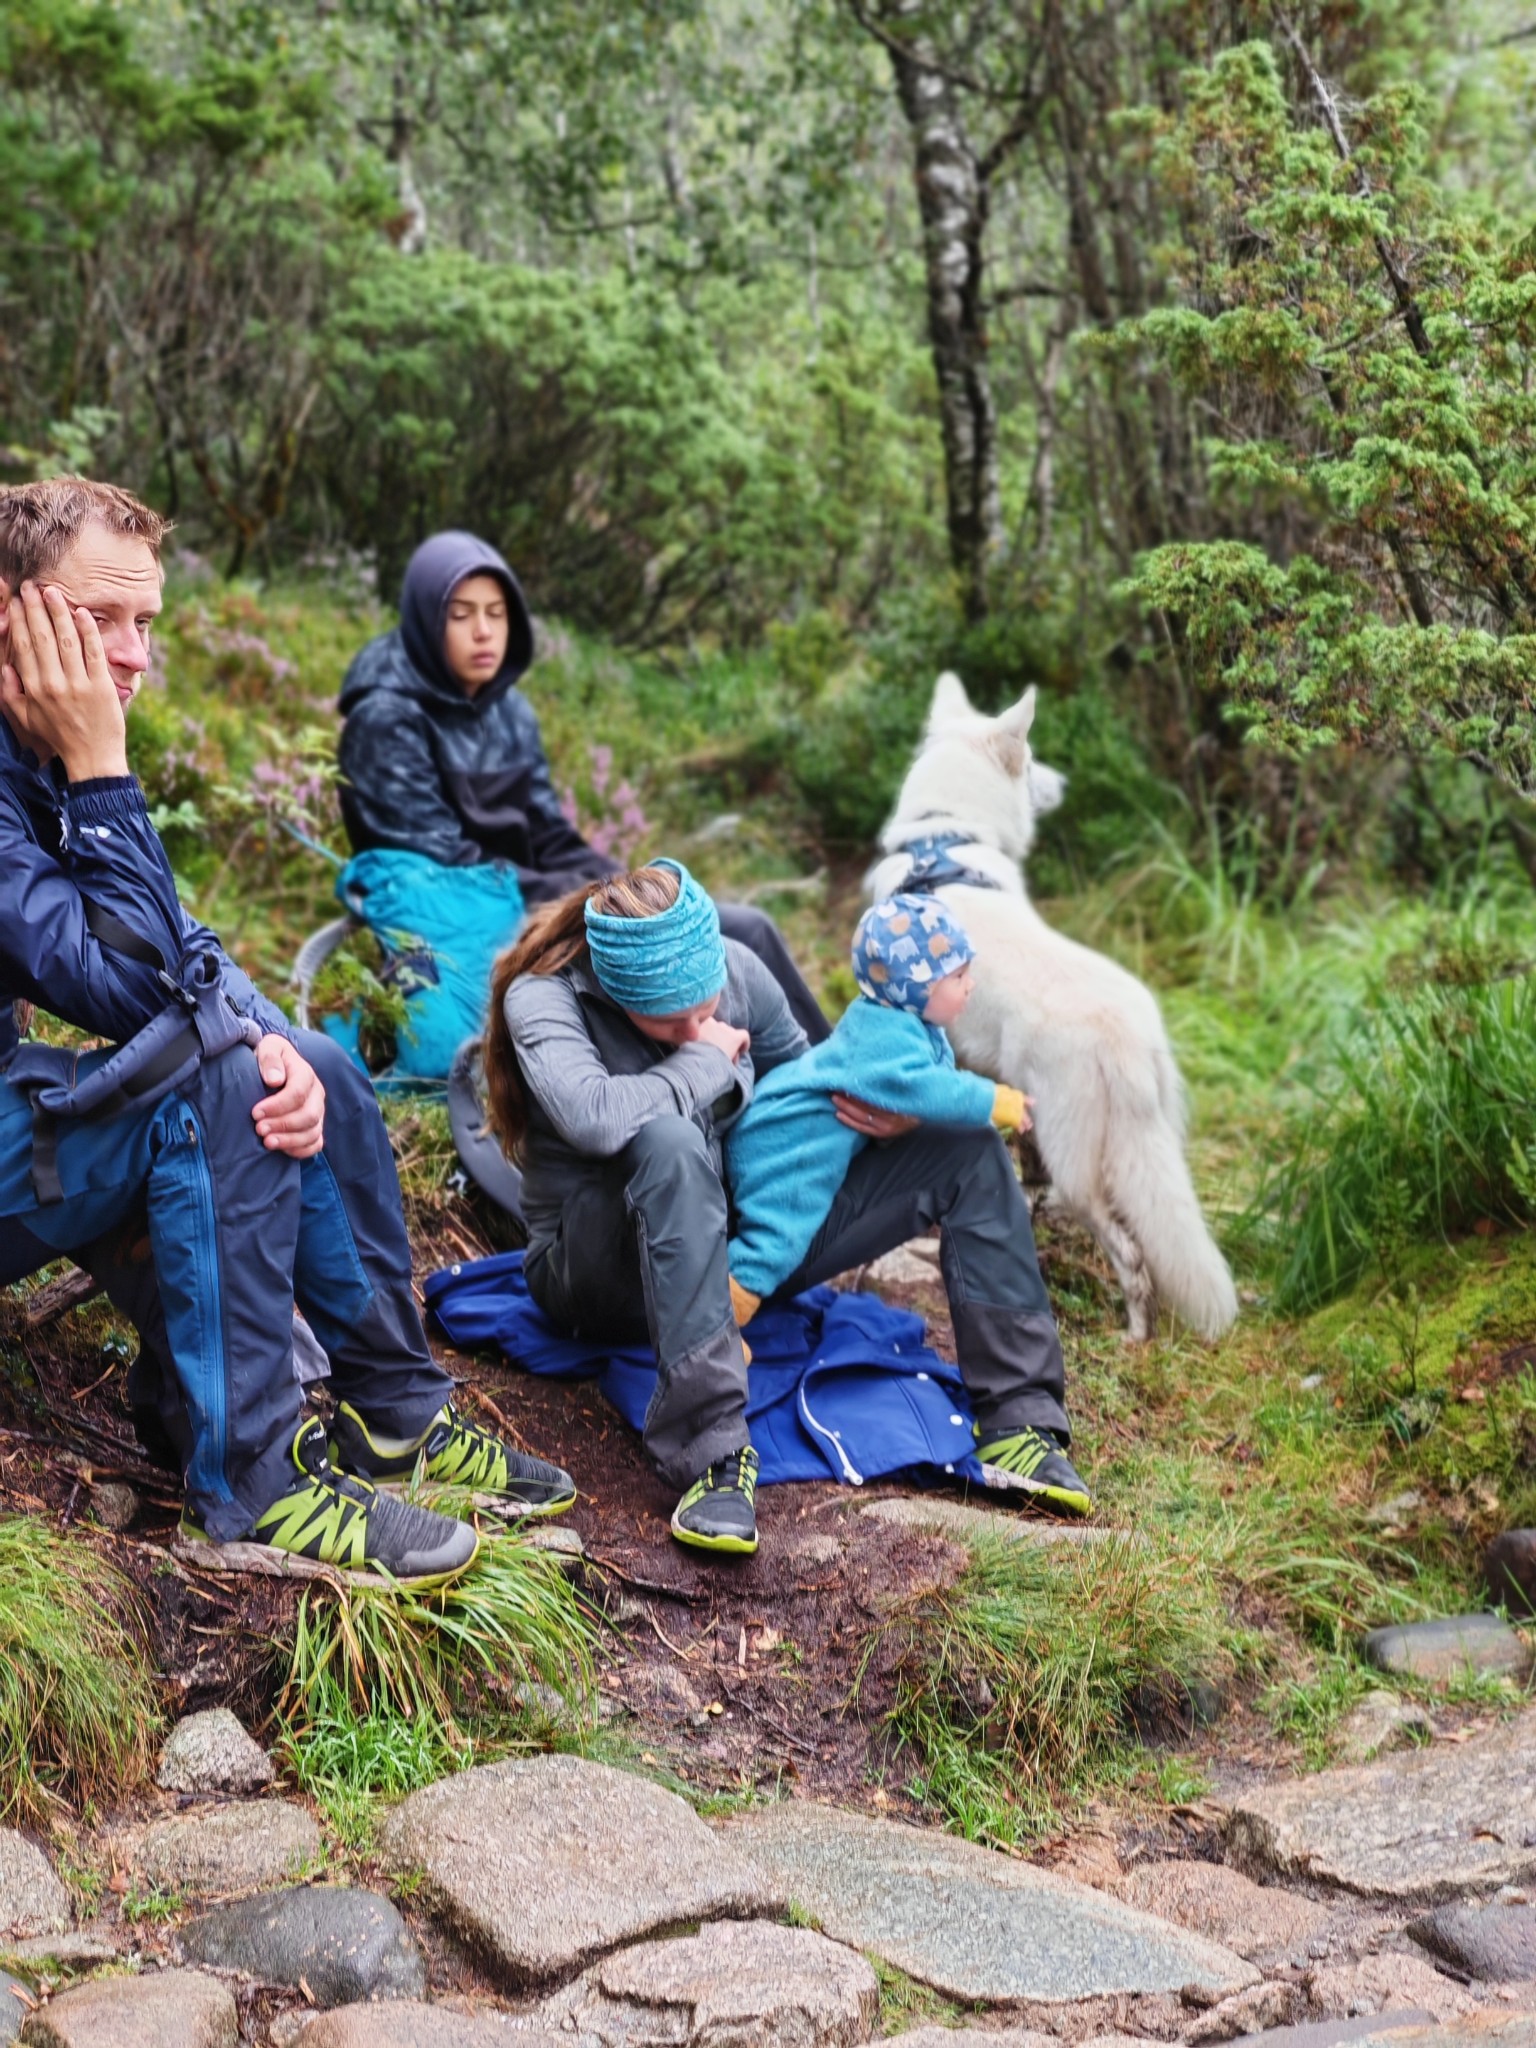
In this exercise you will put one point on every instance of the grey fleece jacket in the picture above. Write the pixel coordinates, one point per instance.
(592, 1080)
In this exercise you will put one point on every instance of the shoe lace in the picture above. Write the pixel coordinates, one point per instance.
(1023, 1453)
(476, 1451)
(735, 1474)
(738, 1474)
(313, 1458)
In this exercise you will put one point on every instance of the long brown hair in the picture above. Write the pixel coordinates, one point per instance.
(554, 936)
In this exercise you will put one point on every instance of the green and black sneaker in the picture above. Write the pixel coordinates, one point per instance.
(452, 1452)
(716, 1513)
(342, 1521)
(1035, 1462)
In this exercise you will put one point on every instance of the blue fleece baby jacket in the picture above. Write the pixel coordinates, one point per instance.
(788, 1155)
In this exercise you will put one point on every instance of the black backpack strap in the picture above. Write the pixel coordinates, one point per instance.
(108, 929)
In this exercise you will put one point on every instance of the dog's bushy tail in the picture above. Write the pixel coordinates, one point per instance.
(1153, 1196)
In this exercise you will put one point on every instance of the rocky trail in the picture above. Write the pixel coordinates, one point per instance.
(794, 1897)
(555, 1900)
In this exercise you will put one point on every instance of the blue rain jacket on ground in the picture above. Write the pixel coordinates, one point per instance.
(841, 1386)
(444, 926)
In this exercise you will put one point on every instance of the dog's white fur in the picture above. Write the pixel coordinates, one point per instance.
(1070, 1028)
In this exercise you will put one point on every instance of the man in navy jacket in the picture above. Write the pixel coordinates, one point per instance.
(256, 1168)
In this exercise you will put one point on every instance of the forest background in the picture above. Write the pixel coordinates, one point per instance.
(1173, 355)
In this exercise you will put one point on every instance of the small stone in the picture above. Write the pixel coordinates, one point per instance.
(1496, 1943)
(1393, 1513)
(1368, 2027)
(816, 1552)
(906, 1266)
(1447, 1648)
(547, 1702)
(664, 1689)
(1509, 1570)
(946, 1517)
(1252, 2011)
(76, 1949)
(114, 1505)
(732, 1982)
(1310, 1381)
(335, 1943)
(545, 1863)
(32, 1900)
(421, 2026)
(1223, 1905)
(979, 2037)
(1378, 1721)
(564, 1545)
(171, 2009)
(227, 1849)
(211, 1752)
(16, 2001)
(1376, 1983)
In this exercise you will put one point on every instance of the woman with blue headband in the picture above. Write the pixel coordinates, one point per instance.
(625, 1039)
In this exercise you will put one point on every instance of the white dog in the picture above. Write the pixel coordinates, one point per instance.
(1069, 1027)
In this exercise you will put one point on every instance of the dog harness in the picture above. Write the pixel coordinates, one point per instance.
(933, 866)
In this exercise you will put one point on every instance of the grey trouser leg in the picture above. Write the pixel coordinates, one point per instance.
(641, 1252)
(960, 1181)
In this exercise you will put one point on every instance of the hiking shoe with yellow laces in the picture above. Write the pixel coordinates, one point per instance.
(340, 1520)
(717, 1512)
(1035, 1462)
(452, 1452)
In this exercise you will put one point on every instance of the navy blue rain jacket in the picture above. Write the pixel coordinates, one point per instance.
(428, 769)
(63, 845)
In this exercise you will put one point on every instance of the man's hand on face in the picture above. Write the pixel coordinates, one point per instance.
(56, 687)
(292, 1118)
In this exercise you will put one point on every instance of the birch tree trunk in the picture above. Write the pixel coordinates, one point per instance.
(952, 198)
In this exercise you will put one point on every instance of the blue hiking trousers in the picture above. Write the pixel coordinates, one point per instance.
(205, 1240)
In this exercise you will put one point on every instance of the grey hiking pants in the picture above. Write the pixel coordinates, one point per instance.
(640, 1251)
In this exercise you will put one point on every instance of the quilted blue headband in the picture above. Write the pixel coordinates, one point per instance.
(903, 946)
(664, 963)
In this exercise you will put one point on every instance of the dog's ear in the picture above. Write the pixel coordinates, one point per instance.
(1022, 716)
(1047, 787)
(949, 701)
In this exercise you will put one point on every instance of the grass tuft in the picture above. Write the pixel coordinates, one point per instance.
(1422, 1124)
(1016, 1688)
(387, 1691)
(78, 1712)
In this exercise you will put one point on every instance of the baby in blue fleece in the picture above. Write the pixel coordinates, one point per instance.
(789, 1154)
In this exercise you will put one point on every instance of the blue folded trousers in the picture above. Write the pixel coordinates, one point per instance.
(206, 1240)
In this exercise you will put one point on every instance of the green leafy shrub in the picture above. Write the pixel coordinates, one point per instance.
(78, 1713)
(1422, 1123)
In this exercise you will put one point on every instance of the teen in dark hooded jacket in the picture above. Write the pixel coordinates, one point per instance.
(441, 752)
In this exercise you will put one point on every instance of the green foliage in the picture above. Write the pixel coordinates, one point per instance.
(345, 1757)
(1422, 1124)
(433, 1659)
(78, 1713)
(905, 2002)
(1365, 351)
(1015, 1687)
